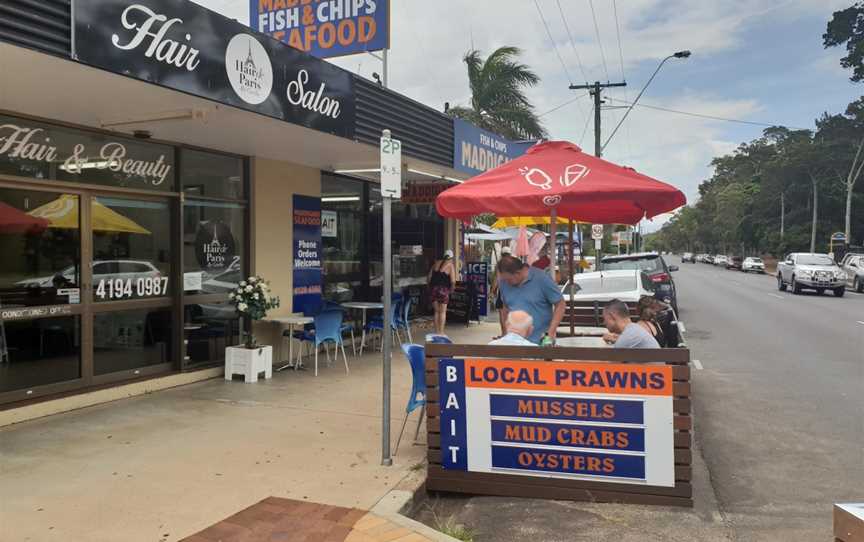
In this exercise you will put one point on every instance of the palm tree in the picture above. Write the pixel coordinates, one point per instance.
(498, 101)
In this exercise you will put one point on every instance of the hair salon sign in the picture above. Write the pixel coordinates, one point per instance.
(181, 45)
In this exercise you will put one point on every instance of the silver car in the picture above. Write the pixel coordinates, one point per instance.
(853, 266)
(810, 271)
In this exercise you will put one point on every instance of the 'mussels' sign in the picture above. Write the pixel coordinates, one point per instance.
(178, 44)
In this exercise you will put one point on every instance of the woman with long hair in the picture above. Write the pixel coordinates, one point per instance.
(441, 280)
(650, 309)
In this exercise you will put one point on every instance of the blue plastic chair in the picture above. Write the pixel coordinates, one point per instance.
(416, 356)
(377, 324)
(347, 327)
(328, 326)
(402, 321)
(434, 338)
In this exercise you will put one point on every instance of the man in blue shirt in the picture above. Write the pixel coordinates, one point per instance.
(529, 289)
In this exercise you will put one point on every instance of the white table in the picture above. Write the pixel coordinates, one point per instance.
(365, 307)
(289, 322)
(583, 331)
(582, 342)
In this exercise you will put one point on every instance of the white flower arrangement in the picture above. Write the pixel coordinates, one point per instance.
(251, 300)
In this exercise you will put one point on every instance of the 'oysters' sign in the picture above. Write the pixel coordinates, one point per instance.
(181, 45)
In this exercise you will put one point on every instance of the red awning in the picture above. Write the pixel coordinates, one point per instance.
(14, 221)
(558, 175)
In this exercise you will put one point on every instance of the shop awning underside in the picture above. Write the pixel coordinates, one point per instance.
(57, 89)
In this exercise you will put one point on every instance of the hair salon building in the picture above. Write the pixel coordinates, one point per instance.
(152, 153)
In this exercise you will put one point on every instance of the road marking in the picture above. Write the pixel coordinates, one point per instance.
(860, 322)
(698, 364)
(777, 296)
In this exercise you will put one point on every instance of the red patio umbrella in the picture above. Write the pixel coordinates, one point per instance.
(14, 221)
(556, 177)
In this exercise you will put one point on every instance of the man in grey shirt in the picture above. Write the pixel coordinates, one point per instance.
(622, 331)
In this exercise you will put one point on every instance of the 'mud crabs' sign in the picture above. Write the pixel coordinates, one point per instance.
(588, 421)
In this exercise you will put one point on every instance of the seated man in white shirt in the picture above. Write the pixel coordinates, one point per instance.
(520, 325)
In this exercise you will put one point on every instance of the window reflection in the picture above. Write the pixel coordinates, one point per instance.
(131, 248)
(128, 340)
(209, 328)
(39, 240)
(213, 234)
(39, 352)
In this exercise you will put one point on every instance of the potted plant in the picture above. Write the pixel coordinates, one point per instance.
(251, 299)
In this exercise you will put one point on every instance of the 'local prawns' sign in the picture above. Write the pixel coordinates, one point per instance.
(588, 421)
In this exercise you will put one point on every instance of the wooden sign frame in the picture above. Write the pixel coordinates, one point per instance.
(506, 485)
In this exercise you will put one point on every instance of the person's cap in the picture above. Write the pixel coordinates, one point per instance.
(448, 253)
(505, 250)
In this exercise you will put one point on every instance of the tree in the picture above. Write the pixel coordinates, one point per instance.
(498, 100)
(847, 26)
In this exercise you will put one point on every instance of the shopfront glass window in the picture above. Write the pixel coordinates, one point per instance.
(44, 151)
(210, 175)
(209, 328)
(39, 352)
(213, 235)
(128, 340)
(343, 237)
(131, 249)
(41, 248)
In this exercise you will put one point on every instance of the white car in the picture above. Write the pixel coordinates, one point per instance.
(721, 260)
(755, 265)
(102, 270)
(628, 285)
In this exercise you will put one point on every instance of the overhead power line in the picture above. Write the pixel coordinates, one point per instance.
(709, 117)
(599, 42)
(568, 102)
(552, 40)
(572, 41)
(585, 129)
(618, 32)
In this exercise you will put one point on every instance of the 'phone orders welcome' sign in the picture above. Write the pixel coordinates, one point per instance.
(324, 28)
(589, 421)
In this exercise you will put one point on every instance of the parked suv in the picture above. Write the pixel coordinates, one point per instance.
(818, 272)
(688, 257)
(753, 264)
(721, 260)
(734, 262)
(655, 266)
(853, 266)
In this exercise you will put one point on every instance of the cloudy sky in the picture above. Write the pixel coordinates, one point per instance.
(754, 60)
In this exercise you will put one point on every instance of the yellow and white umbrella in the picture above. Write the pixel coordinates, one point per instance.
(63, 213)
(517, 221)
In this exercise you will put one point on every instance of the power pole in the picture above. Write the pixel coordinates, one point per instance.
(595, 90)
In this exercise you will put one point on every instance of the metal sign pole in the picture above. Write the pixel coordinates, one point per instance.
(387, 334)
(391, 187)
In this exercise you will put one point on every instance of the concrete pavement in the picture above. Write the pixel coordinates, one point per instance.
(163, 466)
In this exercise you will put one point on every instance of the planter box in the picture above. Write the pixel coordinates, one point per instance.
(249, 363)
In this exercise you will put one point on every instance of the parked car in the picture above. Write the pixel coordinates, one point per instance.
(655, 266)
(102, 270)
(709, 259)
(753, 264)
(688, 257)
(812, 271)
(853, 266)
(628, 285)
(721, 260)
(734, 262)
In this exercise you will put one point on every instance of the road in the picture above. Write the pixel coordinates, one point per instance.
(779, 424)
(779, 405)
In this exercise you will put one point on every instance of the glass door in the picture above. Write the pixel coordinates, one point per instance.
(40, 292)
(133, 286)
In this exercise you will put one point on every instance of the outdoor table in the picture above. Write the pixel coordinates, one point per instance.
(290, 322)
(365, 307)
(584, 331)
(582, 342)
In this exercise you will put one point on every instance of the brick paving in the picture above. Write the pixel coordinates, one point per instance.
(287, 520)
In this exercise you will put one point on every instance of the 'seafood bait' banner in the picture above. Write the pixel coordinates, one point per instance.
(324, 28)
(589, 421)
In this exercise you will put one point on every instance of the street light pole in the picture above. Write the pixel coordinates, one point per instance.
(679, 54)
